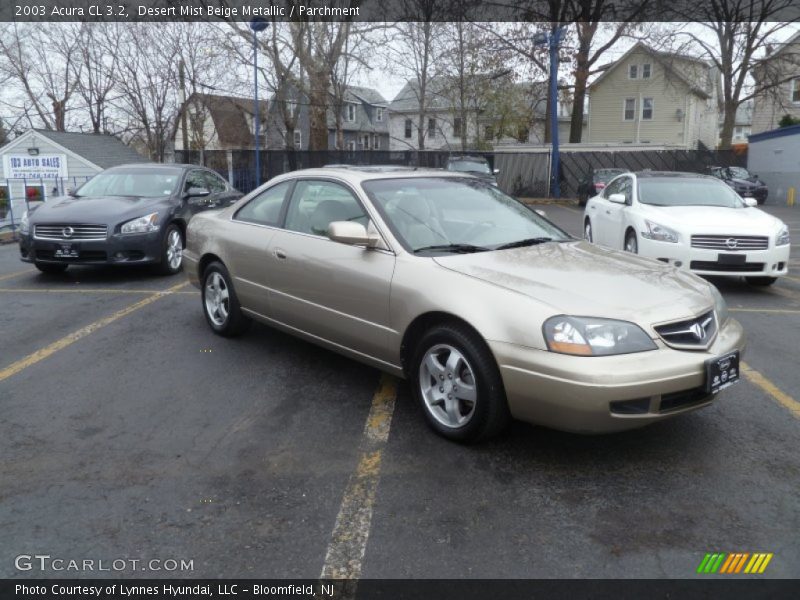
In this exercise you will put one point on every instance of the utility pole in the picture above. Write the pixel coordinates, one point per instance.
(184, 127)
(552, 40)
(257, 25)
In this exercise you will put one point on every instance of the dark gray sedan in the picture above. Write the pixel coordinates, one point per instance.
(133, 214)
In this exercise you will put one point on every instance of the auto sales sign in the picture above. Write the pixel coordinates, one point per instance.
(43, 166)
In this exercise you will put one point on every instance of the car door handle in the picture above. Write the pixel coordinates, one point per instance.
(279, 253)
(608, 212)
(593, 207)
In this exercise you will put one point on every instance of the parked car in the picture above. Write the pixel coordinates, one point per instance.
(745, 184)
(488, 309)
(134, 214)
(693, 222)
(594, 181)
(474, 165)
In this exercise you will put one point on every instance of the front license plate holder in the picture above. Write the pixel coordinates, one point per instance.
(731, 259)
(722, 371)
(66, 251)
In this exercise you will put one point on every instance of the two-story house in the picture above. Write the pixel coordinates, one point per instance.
(779, 74)
(215, 122)
(656, 98)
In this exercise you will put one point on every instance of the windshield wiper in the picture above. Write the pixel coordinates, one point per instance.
(457, 248)
(526, 242)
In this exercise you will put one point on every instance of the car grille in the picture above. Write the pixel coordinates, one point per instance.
(730, 243)
(85, 255)
(70, 232)
(691, 334)
(683, 399)
(705, 265)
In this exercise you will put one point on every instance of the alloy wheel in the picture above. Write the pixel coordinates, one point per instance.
(447, 384)
(217, 299)
(174, 249)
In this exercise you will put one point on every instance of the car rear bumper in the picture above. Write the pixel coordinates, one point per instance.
(588, 394)
(772, 262)
(114, 250)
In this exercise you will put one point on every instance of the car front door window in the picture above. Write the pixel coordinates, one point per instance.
(315, 204)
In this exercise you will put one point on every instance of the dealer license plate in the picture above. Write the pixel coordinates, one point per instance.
(66, 251)
(722, 371)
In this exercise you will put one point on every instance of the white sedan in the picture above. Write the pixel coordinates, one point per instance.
(692, 222)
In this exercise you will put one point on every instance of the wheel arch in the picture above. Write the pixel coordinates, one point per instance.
(206, 260)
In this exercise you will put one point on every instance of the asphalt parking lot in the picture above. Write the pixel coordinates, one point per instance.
(130, 431)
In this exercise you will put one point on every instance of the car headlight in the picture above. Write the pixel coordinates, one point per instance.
(783, 236)
(720, 306)
(659, 232)
(144, 224)
(589, 336)
(24, 225)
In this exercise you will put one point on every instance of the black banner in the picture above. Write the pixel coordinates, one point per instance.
(399, 10)
(368, 589)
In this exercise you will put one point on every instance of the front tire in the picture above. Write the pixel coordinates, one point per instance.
(220, 303)
(455, 379)
(50, 268)
(631, 245)
(172, 251)
(761, 281)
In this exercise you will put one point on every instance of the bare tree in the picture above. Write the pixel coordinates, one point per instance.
(93, 71)
(736, 33)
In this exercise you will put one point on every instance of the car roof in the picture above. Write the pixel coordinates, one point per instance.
(151, 166)
(359, 174)
(469, 158)
(670, 175)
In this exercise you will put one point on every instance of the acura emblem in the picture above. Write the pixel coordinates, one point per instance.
(731, 243)
(67, 232)
(698, 331)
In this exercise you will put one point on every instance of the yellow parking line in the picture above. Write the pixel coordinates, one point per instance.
(73, 337)
(89, 291)
(777, 311)
(351, 530)
(781, 397)
(15, 274)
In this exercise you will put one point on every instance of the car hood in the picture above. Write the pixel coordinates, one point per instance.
(747, 183)
(107, 209)
(579, 278)
(713, 219)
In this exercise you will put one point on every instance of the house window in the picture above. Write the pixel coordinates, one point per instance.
(795, 90)
(646, 69)
(298, 140)
(408, 129)
(457, 127)
(376, 142)
(365, 142)
(633, 71)
(379, 113)
(351, 145)
(629, 110)
(351, 112)
(431, 128)
(291, 109)
(488, 133)
(647, 109)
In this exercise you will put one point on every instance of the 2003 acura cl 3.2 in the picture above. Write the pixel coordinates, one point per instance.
(489, 309)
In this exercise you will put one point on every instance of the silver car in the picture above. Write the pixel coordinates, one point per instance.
(488, 309)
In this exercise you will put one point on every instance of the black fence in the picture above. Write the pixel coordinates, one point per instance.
(522, 174)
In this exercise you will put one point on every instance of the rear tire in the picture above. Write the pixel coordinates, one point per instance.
(455, 379)
(220, 303)
(761, 281)
(50, 268)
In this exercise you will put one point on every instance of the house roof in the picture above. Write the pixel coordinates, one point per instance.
(676, 64)
(228, 114)
(438, 90)
(100, 149)
(364, 94)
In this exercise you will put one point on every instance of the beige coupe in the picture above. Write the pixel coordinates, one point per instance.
(488, 308)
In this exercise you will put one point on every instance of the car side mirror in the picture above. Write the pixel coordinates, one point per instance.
(353, 234)
(197, 192)
(617, 198)
(750, 202)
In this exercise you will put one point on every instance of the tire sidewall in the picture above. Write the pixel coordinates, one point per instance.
(165, 266)
(216, 267)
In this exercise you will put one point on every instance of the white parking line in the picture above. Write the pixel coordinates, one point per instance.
(351, 530)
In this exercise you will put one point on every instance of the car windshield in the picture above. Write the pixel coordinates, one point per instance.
(145, 184)
(605, 175)
(738, 173)
(469, 166)
(456, 215)
(687, 192)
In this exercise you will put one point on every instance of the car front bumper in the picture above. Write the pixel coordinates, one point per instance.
(116, 249)
(583, 394)
(772, 262)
